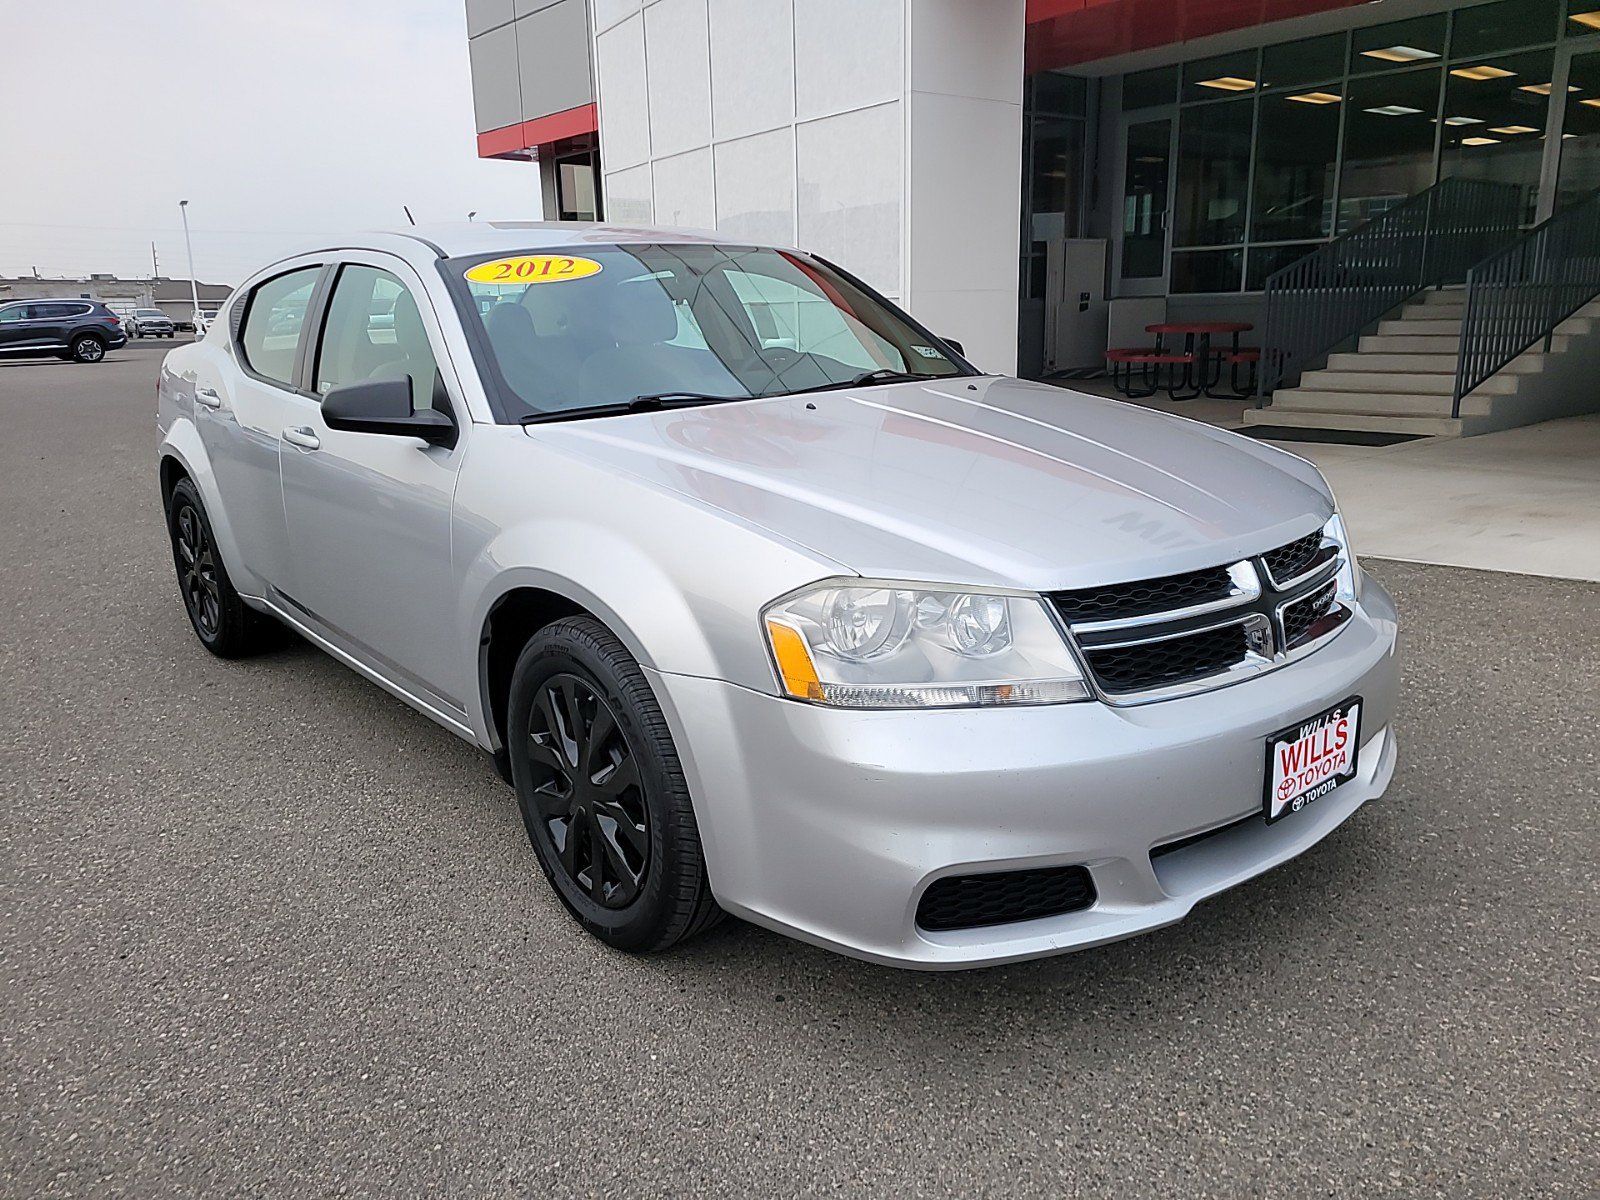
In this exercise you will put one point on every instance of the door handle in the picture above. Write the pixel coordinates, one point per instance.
(302, 436)
(208, 397)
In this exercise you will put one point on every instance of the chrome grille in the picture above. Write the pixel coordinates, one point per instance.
(1148, 665)
(1177, 634)
(1143, 596)
(1301, 616)
(1289, 562)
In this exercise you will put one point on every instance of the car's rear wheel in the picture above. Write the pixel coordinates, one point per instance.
(225, 625)
(602, 790)
(87, 348)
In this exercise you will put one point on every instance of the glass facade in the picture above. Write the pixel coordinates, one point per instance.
(1235, 165)
(1055, 115)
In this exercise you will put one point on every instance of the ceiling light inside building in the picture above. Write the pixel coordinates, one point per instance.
(1229, 83)
(1590, 19)
(1316, 98)
(1595, 103)
(1482, 72)
(1543, 89)
(1394, 110)
(1463, 120)
(1400, 54)
(1512, 129)
(1480, 141)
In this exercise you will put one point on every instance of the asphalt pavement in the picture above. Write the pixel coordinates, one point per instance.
(267, 931)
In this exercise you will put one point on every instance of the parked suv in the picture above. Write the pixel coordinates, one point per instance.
(149, 322)
(76, 330)
(767, 601)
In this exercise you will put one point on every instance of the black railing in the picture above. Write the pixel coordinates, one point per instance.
(1520, 294)
(1331, 294)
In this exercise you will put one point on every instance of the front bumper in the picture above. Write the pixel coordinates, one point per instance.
(829, 824)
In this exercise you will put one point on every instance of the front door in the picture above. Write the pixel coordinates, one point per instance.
(369, 514)
(1145, 200)
(22, 328)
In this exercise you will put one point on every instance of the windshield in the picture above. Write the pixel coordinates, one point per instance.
(148, 312)
(604, 325)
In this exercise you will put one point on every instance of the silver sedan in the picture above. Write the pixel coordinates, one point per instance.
(767, 601)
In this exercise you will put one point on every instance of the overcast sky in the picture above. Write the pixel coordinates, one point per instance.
(274, 120)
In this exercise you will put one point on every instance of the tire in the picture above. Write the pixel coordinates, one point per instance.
(579, 701)
(86, 348)
(225, 625)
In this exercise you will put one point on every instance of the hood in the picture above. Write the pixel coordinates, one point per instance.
(971, 480)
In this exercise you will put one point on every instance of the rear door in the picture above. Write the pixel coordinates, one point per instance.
(241, 404)
(369, 514)
(53, 321)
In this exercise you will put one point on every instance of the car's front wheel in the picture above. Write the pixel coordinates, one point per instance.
(86, 348)
(602, 791)
(225, 625)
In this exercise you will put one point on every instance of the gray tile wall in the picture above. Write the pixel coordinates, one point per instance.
(530, 58)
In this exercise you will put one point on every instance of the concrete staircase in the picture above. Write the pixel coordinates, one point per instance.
(1400, 379)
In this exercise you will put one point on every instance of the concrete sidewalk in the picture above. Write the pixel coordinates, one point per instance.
(1523, 500)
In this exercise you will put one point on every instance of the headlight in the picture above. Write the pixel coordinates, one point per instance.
(1349, 577)
(863, 643)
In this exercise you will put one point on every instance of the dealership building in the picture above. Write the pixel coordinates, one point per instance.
(1040, 179)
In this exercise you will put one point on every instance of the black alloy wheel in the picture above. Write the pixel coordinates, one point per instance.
(197, 569)
(588, 791)
(602, 791)
(88, 349)
(225, 625)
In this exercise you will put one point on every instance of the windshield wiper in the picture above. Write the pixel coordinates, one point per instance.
(649, 403)
(866, 379)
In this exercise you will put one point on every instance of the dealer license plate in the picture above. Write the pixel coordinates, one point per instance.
(1310, 758)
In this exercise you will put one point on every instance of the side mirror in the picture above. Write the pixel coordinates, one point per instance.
(384, 406)
(955, 345)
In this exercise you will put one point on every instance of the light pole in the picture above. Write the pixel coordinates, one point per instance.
(194, 287)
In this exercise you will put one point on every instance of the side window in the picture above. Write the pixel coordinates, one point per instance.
(374, 330)
(272, 324)
(54, 312)
(17, 312)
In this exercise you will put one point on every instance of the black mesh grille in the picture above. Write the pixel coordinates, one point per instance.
(1292, 561)
(1175, 660)
(999, 898)
(1300, 616)
(1144, 596)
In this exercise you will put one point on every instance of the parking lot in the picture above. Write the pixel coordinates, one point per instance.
(269, 931)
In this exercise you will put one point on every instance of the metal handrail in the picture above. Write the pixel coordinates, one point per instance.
(1523, 292)
(1330, 295)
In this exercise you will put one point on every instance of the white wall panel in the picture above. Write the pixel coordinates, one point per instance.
(848, 54)
(677, 54)
(848, 193)
(755, 187)
(967, 48)
(624, 103)
(684, 190)
(965, 161)
(608, 12)
(752, 65)
(629, 196)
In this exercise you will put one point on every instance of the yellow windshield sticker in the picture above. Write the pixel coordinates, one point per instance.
(533, 268)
